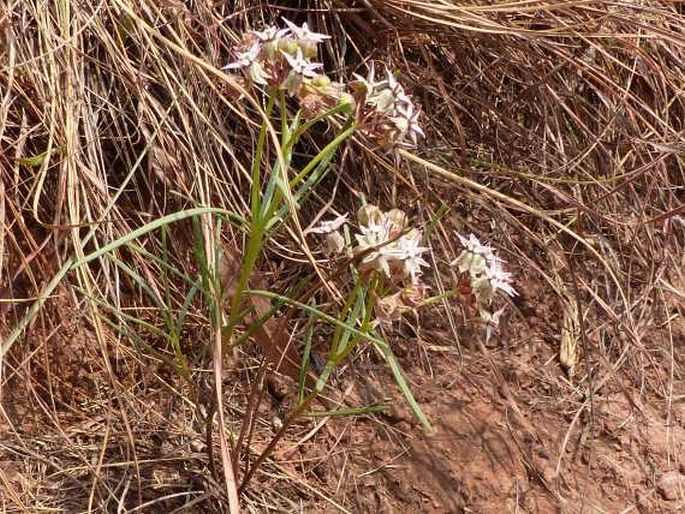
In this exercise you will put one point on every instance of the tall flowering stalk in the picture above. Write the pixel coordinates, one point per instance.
(386, 255)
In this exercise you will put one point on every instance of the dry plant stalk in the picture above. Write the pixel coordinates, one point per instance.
(572, 108)
(272, 335)
(569, 338)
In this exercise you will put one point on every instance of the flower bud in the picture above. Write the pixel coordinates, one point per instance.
(270, 50)
(369, 215)
(258, 74)
(347, 100)
(474, 263)
(321, 82)
(399, 220)
(398, 217)
(292, 83)
(335, 242)
(308, 49)
(483, 290)
(288, 46)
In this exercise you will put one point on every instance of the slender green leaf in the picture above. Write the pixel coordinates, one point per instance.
(380, 344)
(353, 411)
(148, 227)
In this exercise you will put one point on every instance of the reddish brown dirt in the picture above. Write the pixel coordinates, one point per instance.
(489, 454)
(511, 432)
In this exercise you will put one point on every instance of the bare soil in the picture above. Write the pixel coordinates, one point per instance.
(512, 433)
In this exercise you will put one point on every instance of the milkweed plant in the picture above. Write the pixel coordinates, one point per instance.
(383, 253)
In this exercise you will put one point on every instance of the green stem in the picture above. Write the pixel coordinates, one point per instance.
(256, 239)
(330, 147)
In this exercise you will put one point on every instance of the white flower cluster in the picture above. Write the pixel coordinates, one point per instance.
(385, 111)
(386, 245)
(282, 59)
(487, 277)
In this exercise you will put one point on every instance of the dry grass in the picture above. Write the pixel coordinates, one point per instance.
(560, 122)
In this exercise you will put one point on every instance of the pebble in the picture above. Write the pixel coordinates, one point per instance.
(671, 486)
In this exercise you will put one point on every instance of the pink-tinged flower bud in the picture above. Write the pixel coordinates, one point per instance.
(399, 221)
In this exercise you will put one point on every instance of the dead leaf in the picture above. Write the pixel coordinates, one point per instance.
(570, 335)
(272, 336)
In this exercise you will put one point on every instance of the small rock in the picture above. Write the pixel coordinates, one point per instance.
(276, 423)
(671, 485)
(197, 445)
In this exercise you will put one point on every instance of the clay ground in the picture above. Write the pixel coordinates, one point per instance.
(512, 432)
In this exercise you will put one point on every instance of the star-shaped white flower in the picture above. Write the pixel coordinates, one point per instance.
(499, 279)
(304, 34)
(413, 260)
(271, 33)
(407, 250)
(301, 66)
(245, 59)
(373, 239)
(326, 227)
(475, 257)
(407, 122)
(473, 245)
(249, 60)
(372, 235)
(396, 88)
(369, 83)
(491, 321)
